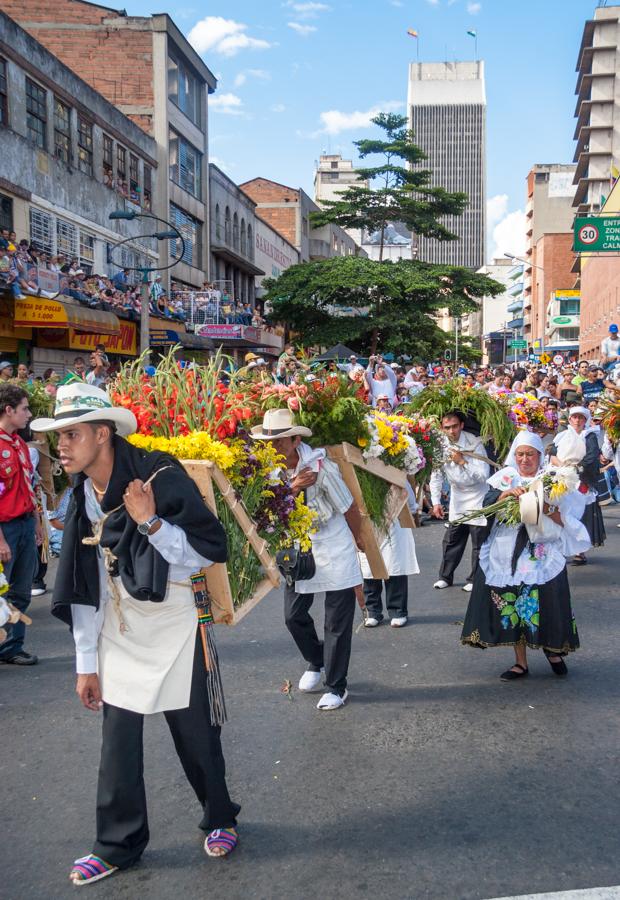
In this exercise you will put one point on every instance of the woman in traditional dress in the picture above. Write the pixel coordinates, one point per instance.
(580, 423)
(521, 596)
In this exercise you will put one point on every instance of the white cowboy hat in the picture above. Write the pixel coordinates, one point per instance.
(80, 402)
(531, 504)
(278, 423)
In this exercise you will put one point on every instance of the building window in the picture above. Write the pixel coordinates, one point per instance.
(185, 164)
(62, 131)
(36, 114)
(66, 239)
(108, 161)
(184, 90)
(134, 178)
(243, 238)
(218, 223)
(42, 231)
(6, 212)
(569, 306)
(85, 146)
(236, 231)
(250, 243)
(148, 187)
(87, 251)
(227, 226)
(4, 93)
(121, 170)
(190, 228)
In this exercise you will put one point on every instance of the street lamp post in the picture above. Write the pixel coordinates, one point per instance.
(172, 233)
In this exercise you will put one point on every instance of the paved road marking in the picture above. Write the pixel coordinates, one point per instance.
(602, 893)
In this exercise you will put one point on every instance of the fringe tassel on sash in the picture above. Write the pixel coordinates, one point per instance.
(215, 688)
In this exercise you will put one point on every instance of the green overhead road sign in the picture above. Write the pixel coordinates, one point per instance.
(518, 345)
(597, 234)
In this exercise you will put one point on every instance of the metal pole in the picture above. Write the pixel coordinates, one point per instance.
(456, 339)
(504, 352)
(145, 341)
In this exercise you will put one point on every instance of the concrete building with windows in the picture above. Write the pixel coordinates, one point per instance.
(148, 70)
(446, 105)
(549, 257)
(287, 210)
(232, 238)
(597, 130)
(56, 135)
(334, 175)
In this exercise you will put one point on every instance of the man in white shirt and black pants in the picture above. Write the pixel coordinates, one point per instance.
(130, 585)
(467, 477)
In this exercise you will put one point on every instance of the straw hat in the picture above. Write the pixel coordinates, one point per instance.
(531, 504)
(278, 423)
(80, 402)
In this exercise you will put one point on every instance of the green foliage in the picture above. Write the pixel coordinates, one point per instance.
(333, 413)
(395, 302)
(399, 189)
(490, 413)
(375, 492)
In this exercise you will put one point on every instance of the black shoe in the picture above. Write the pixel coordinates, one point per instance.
(560, 668)
(509, 675)
(20, 659)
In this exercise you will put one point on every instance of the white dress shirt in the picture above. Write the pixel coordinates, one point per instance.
(169, 540)
(468, 483)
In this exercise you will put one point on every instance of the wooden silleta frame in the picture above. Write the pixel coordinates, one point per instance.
(348, 459)
(205, 473)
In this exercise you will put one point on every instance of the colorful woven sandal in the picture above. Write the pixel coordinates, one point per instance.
(221, 842)
(89, 869)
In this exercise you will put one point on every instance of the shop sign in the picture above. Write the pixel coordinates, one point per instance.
(124, 343)
(564, 320)
(40, 313)
(229, 332)
(163, 337)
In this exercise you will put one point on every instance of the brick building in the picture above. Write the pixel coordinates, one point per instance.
(146, 68)
(288, 210)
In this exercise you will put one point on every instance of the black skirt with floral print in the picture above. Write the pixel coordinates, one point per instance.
(538, 615)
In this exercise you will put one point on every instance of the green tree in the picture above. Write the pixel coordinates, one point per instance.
(397, 189)
(365, 304)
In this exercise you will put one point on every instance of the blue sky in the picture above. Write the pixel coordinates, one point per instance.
(300, 77)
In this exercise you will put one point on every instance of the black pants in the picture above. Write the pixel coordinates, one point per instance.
(454, 542)
(122, 824)
(335, 651)
(395, 596)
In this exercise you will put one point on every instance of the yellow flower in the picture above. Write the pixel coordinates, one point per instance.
(362, 442)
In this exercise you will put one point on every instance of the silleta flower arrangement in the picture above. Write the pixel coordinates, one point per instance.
(529, 413)
(193, 415)
(392, 442)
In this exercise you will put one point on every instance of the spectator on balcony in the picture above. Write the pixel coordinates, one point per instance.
(6, 371)
(121, 280)
(4, 239)
(156, 290)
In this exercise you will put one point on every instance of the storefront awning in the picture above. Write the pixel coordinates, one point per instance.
(37, 312)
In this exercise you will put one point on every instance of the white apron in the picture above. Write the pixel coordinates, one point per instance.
(335, 554)
(398, 552)
(147, 668)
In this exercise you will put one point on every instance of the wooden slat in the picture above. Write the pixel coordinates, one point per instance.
(369, 535)
(218, 584)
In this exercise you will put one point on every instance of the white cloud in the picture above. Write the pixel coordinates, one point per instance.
(278, 108)
(223, 36)
(220, 163)
(302, 30)
(433, 2)
(474, 8)
(229, 104)
(256, 74)
(306, 10)
(396, 3)
(334, 121)
(506, 229)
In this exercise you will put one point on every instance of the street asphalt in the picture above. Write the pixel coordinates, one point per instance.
(435, 781)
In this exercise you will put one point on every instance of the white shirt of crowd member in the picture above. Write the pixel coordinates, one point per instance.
(466, 475)
(380, 379)
(610, 346)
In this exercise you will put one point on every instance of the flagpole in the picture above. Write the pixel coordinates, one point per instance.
(476, 46)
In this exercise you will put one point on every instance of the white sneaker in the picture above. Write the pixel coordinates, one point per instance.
(441, 584)
(309, 681)
(398, 621)
(332, 701)
(36, 592)
(371, 622)
(467, 587)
